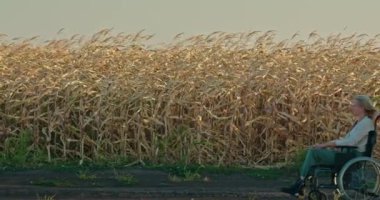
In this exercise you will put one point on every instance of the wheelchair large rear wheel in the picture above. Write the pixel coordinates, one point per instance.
(359, 179)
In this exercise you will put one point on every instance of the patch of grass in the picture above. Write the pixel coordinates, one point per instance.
(125, 178)
(183, 173)
(52, 183)
(194, 171)
(186, 176)
(85, 175)
(191, 176)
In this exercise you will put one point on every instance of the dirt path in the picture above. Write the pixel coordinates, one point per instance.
(136, 184)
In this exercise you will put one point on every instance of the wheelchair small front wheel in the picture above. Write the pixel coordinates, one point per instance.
(359, 179)
(317, 195)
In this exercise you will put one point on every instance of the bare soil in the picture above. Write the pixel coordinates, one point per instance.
(146, 185)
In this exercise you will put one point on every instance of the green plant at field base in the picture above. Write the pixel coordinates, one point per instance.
(110, 161)
(85, 175)
(52, 183)
(184, 173)
(191, 176)
(180, 143)
(16, 149)
(125, 178)
(19, 151)
(187, 176)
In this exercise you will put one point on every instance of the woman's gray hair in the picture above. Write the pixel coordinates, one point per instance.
(366, 103)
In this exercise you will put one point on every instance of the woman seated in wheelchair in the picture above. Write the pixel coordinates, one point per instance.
(323, 154)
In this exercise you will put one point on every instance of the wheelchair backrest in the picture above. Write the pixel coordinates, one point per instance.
(372, 136)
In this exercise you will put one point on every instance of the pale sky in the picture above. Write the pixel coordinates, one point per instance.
(166, 18)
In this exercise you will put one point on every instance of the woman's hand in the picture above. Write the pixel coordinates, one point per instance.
(325, 145)
(319, 146)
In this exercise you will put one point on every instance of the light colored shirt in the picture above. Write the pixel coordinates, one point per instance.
(358, 135)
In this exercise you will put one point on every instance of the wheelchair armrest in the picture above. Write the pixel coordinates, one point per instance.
(346, 147)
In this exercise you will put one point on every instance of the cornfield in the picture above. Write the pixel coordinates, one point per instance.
(222, 99)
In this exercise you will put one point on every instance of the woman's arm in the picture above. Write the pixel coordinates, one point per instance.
(361, 131)
(325, 145)
(352, 139)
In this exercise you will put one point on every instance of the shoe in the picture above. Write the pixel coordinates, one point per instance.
(295, 189)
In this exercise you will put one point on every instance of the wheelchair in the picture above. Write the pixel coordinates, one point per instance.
(353, 176)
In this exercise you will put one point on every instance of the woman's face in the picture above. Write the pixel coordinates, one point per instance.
(356, 108)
